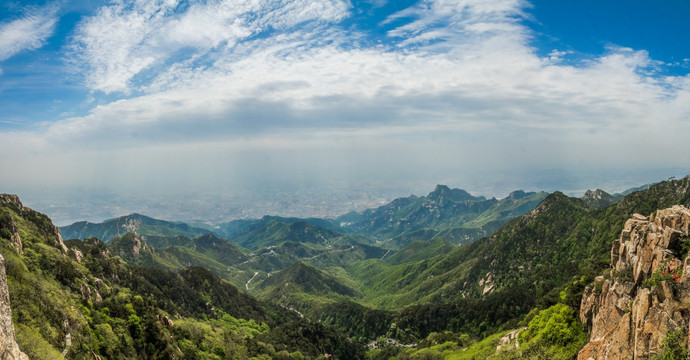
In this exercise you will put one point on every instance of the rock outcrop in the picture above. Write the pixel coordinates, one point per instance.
(509, 341)
(9, 350)
(598, 198)
(647, 292)
(41, 221)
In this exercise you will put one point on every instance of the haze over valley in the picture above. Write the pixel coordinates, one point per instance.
(344, 179)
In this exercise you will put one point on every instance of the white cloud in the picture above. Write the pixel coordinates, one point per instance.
(458, 87)
(485, 73)
(124, 39)
(29, 32)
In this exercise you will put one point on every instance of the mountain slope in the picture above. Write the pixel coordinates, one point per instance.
(420, 250)
(175, 253)
(301, 280)
(452, 214)
(85, 303)
(140, 224)
(542, 258)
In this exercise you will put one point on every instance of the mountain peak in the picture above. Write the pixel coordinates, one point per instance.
(597, 194)
(517, 194)
(598, 198)
(443, 191)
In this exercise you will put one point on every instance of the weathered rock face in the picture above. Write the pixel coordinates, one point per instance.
(9, 350)
(648, 292)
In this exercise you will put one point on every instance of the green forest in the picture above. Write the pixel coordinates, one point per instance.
(289, 288)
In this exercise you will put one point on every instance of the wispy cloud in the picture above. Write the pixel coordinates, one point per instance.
(28, 32)
(127, 38)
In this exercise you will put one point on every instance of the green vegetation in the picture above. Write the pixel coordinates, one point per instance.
(142, 225)
(421, 250)
(555, 332)
(112, 309)
(452, 214)
(272, 232)
(161, 295)
(301, 284)
(673, 347)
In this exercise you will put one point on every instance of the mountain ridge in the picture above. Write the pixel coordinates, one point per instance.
(141, 224)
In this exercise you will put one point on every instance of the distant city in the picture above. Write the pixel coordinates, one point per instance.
(210, 208)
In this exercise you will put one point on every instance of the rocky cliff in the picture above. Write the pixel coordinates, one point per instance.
(630, 310)
(9, 350)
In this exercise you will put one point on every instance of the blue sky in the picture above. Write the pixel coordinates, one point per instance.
(180, 94)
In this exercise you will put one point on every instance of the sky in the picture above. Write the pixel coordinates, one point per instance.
(235, 96)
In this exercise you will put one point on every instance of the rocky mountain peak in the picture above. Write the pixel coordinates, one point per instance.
(598, 198)
(597, 194)
(645, 296)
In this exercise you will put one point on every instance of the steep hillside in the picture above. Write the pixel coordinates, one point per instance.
(443, 207)
(545, 257)
(300, 280)
(510, 257)
(230, 261)
(218, 249)
(140, 224)
(82, 302)
(561, 233)
(175, 253)
(421, 250)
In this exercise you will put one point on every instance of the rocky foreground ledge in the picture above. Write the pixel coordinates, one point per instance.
(646, 295)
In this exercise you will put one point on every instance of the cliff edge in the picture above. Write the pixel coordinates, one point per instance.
(647, 292)
(9, 350)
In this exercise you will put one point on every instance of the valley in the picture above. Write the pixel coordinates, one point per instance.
(445, 275)
(344, 180)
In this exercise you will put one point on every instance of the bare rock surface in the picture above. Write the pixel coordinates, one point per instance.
(647, 292)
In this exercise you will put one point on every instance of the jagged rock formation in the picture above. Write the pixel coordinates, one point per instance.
(599, 198)
(647, 293)
(9, 350)
(130, 247)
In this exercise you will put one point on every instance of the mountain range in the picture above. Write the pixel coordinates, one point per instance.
(387, 272)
